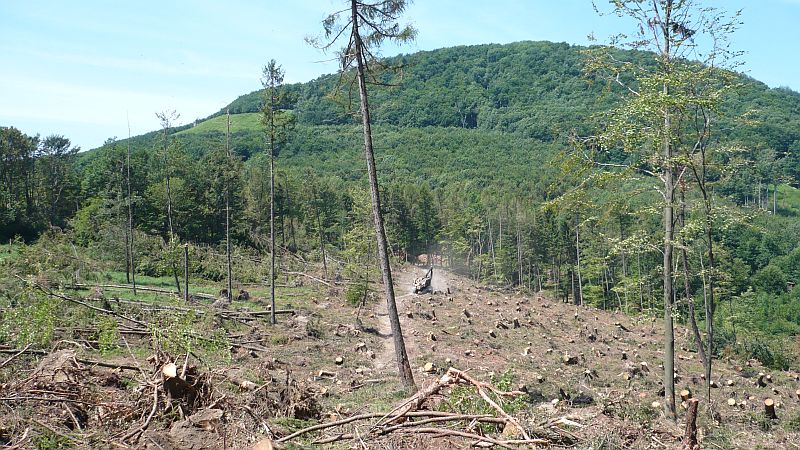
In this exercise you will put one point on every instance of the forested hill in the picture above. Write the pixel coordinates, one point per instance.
(536, 89)
(534, 93)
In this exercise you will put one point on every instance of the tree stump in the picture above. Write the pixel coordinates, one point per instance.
(769, 409)
(690, 435)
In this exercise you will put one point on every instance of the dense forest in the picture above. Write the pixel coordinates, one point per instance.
(474, 149)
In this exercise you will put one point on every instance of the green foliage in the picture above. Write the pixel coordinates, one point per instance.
(314, 329)
(464, 399)
(186, 332)
(279, 339)
(108, 335)
(29, 318)
(46, 439)
(770, 279)
(776, 351)
(356, 294)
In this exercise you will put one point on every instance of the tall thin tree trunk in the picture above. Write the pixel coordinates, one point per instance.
(228, 207)
(130, 210)
(125, 227)
(186, 273)
(775, 197)
(169, 209)
(710, 306)
(319, 228)
(403, 365)
(639, 278)
(491, 247)
(579, 300)
(519, 249)
(272, 249)
(624, 263)
(686, 287)
(669, 192)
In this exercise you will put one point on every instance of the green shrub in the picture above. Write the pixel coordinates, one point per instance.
(356, 293)
(279, 339)
(31, 320)
(314, 329)
(107, 334)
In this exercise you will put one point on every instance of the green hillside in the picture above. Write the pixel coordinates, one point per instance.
(534, 93)
(249, 122)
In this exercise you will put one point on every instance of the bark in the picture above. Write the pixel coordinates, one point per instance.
(686, 287)
(579, 299)
(320, 229)
(624, 263)
(186, 273)
(690, 435)
(668, 178)
(228, 211)
(169, 204)
(403, 364)
(272, 317)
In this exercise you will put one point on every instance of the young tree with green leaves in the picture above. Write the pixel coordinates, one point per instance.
(365, 25)
(166, 118)
(651, 124)
(277, 121)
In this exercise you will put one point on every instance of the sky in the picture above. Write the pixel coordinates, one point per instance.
(84, 69)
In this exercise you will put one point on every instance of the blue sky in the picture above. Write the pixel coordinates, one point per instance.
(80, 68)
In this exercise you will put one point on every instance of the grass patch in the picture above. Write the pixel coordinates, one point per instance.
(788, 201)
(373, 397)
(239, 122)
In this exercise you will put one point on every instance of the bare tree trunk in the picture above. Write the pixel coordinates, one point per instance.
(272, 318)
(624, 263)
(491, 247)
(687, 289)
(125, 228)
(403, 365)
(639, 278)
(127, 255)
(186, 273)
(166, 119)
(130, 210)
(775, 197)
(579, 299)
(228, 208)
(519, 249)
(669, 191)
(319, 227)
(709, 304)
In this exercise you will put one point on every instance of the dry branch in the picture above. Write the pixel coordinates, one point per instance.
(11, 358)
(81, 286)
(393, 420)
(88, 362)
(318, 280)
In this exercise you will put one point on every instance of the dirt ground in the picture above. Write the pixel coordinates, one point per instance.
(590, 377)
